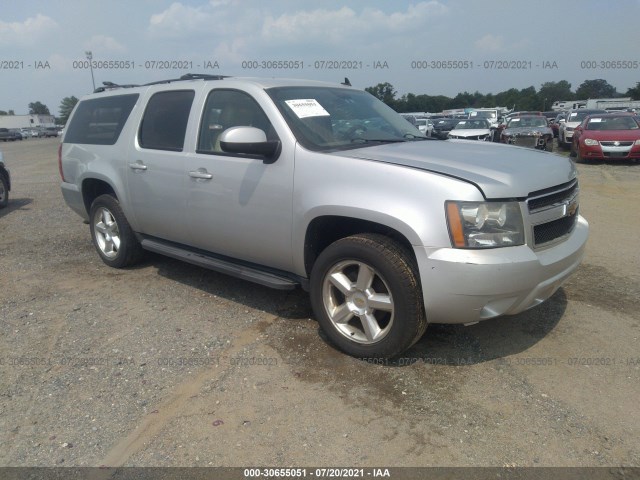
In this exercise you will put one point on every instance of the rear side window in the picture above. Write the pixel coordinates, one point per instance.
(164, 123)
(99, 121)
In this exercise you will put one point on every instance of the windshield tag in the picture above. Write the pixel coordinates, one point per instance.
(309, 107)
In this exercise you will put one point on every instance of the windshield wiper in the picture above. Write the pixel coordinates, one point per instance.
(377, 140)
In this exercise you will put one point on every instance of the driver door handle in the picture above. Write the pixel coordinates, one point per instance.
(138, 166)
(200, 173)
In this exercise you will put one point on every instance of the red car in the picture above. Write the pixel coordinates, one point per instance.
(606, 137)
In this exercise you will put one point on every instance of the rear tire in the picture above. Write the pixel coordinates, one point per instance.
(365, 293)
(111, 233)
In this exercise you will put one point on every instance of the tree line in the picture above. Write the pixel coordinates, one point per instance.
(525, 99)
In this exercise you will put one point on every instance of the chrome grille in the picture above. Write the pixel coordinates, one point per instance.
(551, 196)
(553, 213)
(616, 144)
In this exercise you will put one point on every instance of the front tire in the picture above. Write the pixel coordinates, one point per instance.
(4, 191)
(111, 233)
(580, 158)
(366, 295)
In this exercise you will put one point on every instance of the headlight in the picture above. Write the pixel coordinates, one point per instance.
(637, 142)
(485, 224)
(590, 142)
(569, 129)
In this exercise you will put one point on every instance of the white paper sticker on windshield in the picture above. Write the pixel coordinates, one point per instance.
(595, 120)
(473, 114)
(461, 123)
(309, 107)
(513, 120)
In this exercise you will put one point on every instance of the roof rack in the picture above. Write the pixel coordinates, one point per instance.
(111, 86)
(186, 76)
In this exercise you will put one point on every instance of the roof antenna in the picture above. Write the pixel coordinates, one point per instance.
(346, 82)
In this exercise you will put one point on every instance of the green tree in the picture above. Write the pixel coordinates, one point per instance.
(10, 112)
(385, 92)
(634, 92)
(37, 108)
(552, 91)
(65, 108)
(595, 89)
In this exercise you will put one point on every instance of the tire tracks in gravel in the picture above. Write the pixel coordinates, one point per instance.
(176, 402)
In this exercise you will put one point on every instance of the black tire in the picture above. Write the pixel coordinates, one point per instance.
(572, 151)
(561, 144)
(108, 222)
(4, 191)
(580, 158)
(549, 145)
(393, 276)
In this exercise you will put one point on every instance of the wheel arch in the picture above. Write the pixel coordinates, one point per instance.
(324, 230)
(92, 188)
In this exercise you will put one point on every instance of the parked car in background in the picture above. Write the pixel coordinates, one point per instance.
(472, 129)
(607, 137)
(555, 123)
(571, 121)
(17, 134)
(6, 135)
(528, 131)
(442, 127)
(425, 125)
(50, 132)
(36, 133)
(5, 183)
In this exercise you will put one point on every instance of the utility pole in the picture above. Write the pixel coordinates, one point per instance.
(89, 55)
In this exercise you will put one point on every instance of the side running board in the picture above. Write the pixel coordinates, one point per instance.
(268, 279)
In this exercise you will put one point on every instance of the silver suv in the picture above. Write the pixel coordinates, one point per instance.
(300, 183)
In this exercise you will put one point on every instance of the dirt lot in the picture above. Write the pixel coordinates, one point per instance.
(168, 364)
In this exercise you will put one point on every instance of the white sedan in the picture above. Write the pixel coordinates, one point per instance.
(472, 129)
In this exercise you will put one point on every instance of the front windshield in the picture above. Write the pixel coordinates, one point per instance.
(519, 122)
(612, 123)
(475, 124)
(325, 118)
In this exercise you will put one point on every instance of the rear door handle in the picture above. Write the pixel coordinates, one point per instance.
(200, 173)
(138, 165)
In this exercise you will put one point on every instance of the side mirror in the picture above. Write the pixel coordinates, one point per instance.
(250, 141)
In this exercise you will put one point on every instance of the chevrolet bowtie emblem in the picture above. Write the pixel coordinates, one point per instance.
(616, 144)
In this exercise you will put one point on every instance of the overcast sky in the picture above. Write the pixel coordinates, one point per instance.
(557, 34)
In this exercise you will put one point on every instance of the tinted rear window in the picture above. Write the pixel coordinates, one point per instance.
(164, 123)
(99, 121)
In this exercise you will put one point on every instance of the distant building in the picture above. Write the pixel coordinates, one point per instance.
(27, 121)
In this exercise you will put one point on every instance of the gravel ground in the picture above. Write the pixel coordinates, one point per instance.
(168, 364)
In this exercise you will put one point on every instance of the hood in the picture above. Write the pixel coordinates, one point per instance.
(498, 170)
(470, 132)
(612, 135)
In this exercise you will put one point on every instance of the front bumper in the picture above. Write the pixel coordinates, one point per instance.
(467, 286)
(568, 136)
(603, 151)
